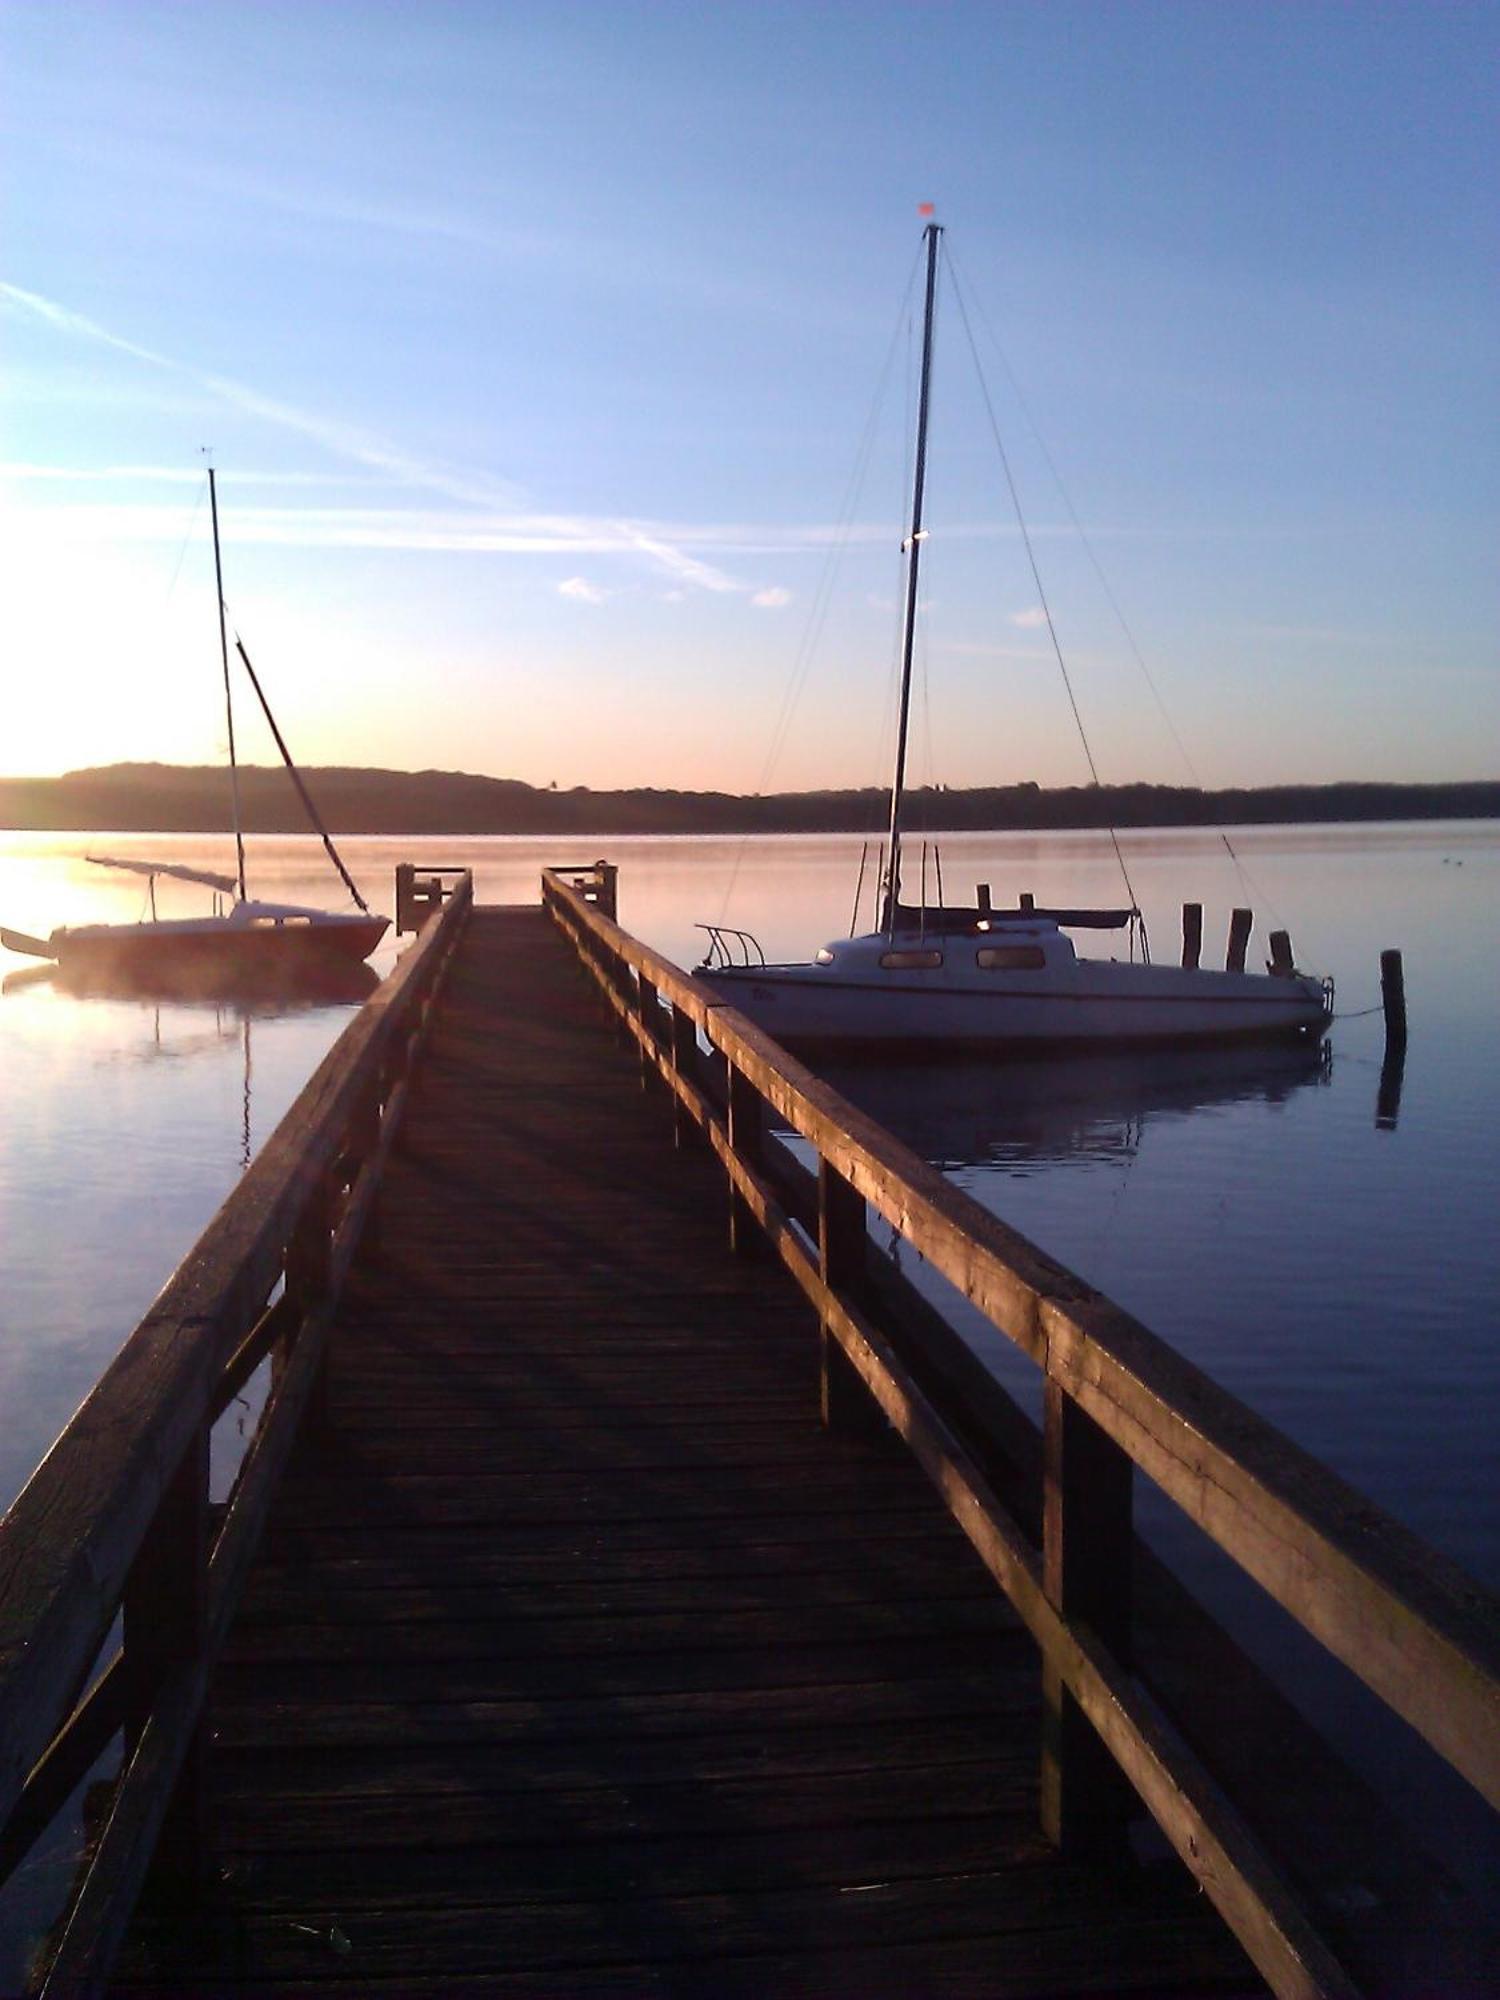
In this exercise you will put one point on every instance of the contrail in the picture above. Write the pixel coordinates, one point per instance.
(362, 447)
(345, 440)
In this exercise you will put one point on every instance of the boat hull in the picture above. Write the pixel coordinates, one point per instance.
(1104, 1006)
(216, 951)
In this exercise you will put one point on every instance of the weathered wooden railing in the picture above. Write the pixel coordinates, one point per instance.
(117, 1577)
(1117, 1399)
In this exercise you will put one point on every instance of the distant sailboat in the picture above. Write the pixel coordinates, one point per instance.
(945, 981)
(250, 941)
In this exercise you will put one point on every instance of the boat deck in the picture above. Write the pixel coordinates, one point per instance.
(579, 1658)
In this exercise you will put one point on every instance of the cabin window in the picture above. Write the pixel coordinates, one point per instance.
(910, 961)
(824, 956)
(1011, 958)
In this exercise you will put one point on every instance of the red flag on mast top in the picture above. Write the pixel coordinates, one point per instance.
(926, 208)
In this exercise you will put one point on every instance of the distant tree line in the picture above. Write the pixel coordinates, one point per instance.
(170, 798)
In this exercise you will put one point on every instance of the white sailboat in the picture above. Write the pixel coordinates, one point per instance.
(249, 941)
(938, 981)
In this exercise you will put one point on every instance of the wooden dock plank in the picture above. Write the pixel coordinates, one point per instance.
(578, 1657)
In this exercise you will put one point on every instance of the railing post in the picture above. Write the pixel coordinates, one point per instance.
(617, 972)
(406, 876)
(1087, 1547)
(747, 1139)
(165, 1628)
(648, 1014)
(684, 1065)
(309, 1273)
(364, 1142)
(847, 1403)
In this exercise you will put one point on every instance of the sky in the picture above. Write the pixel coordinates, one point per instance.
(556, 362)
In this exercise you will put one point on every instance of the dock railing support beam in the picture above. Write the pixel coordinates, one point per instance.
(685, 1065)
(847, 1403)
(116, 1521)
(165, 1631)
(648, 1012)
(1404, 1620)
(747, 1113)
(1087, 1544)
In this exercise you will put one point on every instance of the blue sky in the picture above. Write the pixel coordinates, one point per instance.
(536, 345)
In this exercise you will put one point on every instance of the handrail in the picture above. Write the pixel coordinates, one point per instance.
(116, 1518)
(1412, 1625)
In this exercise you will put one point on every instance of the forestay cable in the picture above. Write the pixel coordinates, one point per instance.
(296, 777)
(1036, 577)
(1252, 889)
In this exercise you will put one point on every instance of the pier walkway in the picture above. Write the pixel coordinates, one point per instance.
(579, 1657)
(628, 1581)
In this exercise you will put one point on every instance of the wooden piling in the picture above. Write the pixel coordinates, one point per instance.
(1281, 954)
(1239, 939)
(1393, 1000)
(1192, 934)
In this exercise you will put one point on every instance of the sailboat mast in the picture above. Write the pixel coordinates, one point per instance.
(913, 562)
(234, 769)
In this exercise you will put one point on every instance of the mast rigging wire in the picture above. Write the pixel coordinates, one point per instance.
(822, 598)
(1036, 577)
(1252, 890)
(296, 777)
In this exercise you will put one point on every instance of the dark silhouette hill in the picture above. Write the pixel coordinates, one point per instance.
(172, 798)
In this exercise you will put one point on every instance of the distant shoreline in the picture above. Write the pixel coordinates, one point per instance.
(167, 798)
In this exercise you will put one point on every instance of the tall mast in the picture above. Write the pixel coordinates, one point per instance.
(913, 562)
(234, 769)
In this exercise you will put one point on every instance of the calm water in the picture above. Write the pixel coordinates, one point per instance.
(1339, 1273)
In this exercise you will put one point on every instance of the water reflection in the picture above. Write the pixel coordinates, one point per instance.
(1049, 1113)
(273, 990)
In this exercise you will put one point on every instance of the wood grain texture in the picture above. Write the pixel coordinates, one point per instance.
(578, 1657)
(1409, 1622)
(68, 1542)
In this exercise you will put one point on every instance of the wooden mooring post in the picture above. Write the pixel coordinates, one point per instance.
(1393, 1002)
(1192, 934)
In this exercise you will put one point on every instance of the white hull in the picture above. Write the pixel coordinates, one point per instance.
(853, 1002)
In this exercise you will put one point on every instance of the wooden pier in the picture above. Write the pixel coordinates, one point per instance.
(635, 1587)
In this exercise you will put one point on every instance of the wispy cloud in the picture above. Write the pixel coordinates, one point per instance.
(1031, 620)
(347, 441)
(163, 475)
(583, 590)
(76, 324)
(496, 497)
(772, 599)
(674, 560)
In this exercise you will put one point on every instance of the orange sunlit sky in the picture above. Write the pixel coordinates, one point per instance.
(541, 348)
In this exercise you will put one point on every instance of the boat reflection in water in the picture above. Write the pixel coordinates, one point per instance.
(276, 988)
(1050, 1112)
(204, 1011)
